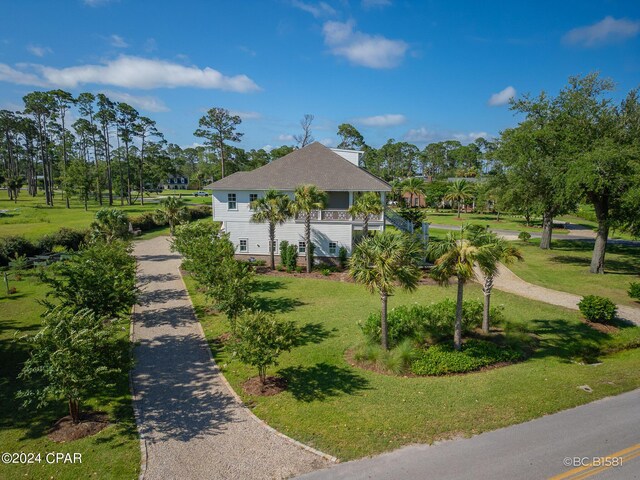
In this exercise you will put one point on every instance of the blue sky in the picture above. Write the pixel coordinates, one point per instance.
(419, 71)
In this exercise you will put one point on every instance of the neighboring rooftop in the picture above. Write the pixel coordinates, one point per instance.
(314, 164)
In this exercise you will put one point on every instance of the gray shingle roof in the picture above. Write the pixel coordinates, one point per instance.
(314, 164)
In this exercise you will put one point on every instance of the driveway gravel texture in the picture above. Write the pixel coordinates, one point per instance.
(192, 425)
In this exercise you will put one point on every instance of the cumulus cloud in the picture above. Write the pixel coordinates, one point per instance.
(606, 30)
(368, 4)
(117, 41)
(386, 120)
(327, 142)
(38, 51)
(128, 72)
(246, 115)
(502, 97)
(469, 137)
(373, 51)
(318, 10)
(285, 137)
(148, 103)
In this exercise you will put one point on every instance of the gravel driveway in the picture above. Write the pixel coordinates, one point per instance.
(192, 426)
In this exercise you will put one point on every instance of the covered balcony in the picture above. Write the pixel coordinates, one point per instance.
(338, 210)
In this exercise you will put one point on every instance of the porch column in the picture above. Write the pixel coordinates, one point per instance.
(383, 199)
(350, 199)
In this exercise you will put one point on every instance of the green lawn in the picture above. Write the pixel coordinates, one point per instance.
(113, 453)
(507, 222)
(350, 413)
(566, 267)
(33, 219)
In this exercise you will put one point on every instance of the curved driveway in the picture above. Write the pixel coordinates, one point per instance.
(191, 424)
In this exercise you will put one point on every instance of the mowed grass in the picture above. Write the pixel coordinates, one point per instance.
(113, 453)
(566, 267)
(506, 222)
(31, 217)
(351, 413)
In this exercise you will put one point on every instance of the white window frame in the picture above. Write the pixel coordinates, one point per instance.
(246, 245)
(334, 250)
(302, 247)
(276, 246)
(234, 201)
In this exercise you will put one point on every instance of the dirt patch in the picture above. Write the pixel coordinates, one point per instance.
(224, 338)
(273, 386)
(601, 327)
(90, 423)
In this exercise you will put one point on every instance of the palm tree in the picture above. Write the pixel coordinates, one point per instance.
(413, 186)
(110, 224)
(459, 192)
(456, 257)
(173, 211)
(383, 262)
(365, 205)
(308, 198)
(275, 209)
(501, 251)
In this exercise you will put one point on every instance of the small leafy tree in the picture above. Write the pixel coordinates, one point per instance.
(233, 294)
(343, 257)
(260, 339)
(383, 262)
(524, 236)
(71, 357)
(110, 224)
(99, 278)
(173, 211)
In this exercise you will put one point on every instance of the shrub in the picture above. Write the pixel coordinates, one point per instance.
(342, 257)
(475, 354)
(144, 222)
(288, 255)
(260, 338)
(200, 211)
(435, 321)
(16, 246)
(524, 236)
(634, 290)
(598, 309)
(326, 272)
(70, 239)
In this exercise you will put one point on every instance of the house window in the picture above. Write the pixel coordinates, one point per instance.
(274, 246)
(182, 180)
(244, 245)
(333, 248)
(302, 247)
(252, 198)
(231, 201)
(416, 201)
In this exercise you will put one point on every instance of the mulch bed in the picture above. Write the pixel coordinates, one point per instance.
(601, 327)
(90, 423)
(273, 386)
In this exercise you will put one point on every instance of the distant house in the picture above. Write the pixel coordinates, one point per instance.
(177, 182)
(334, 171)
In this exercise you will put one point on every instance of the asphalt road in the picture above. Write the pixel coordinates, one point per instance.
(607, 430)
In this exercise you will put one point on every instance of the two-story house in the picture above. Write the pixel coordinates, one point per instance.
(335, 171)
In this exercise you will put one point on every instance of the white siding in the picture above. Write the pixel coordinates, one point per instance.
(242, 213)
(257, 235)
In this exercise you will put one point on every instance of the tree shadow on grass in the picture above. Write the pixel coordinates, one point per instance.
(277, 304)
(264, 285)
(313, 333)
(613, 267)
(321, 381)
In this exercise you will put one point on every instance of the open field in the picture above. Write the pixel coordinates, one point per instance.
(33, 219)
(350, 413)
(566, 267)
(114, 452)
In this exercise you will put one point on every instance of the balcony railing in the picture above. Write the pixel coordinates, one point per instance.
(335, 215)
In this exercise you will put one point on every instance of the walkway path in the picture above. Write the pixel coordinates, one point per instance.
(191, 424)
(508, 281)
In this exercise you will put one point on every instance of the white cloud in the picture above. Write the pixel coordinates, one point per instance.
(38, 51)
(606, 30)
(327, 142)
(267, 148)
(318, 10)
(246, 115)
(386, 120)
(128, 72)
(148, 103)
(117, 41)
(368, 4)
(150, 45)
(373, 51)
(285, 137)
(469, 137)
(502, 97)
